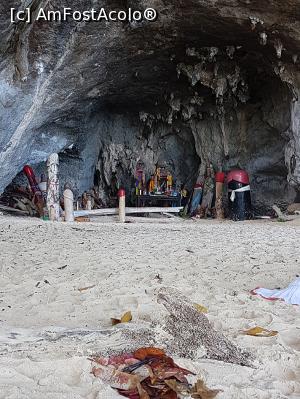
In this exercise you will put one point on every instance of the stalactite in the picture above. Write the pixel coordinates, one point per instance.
(263, 38)
(254, 21)
(230, 50)
(278, 47)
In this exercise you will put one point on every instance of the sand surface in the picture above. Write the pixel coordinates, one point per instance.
(48, 327)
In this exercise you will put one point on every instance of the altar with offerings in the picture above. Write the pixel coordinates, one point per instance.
(158, 190)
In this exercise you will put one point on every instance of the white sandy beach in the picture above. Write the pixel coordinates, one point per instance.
(48, 328)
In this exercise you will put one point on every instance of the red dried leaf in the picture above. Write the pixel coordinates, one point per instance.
(116, 379)
(169, 395)
(129, 394)
(143, 353)
(165, 365)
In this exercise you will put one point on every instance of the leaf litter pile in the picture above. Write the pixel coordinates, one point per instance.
(148, 373)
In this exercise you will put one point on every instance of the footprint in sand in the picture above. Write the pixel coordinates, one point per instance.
(126, 302)
(260, 318)
(288, 388)
(284, 373)
(291, 338)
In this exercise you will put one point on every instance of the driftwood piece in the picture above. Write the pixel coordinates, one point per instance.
(25, 205)
(191, 331)
(14, 210)
(278, 212)
(115, 211)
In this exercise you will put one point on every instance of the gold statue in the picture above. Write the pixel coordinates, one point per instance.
(169, 182)
(151, 184)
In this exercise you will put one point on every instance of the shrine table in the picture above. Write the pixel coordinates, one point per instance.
(152, 200)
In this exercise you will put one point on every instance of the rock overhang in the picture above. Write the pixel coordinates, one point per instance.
(64, 77)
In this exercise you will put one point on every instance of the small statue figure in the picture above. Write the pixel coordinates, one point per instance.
(184, 195)
(208, 192)
(68, 203)
(140, 178)
(169, 182)
(113, 190)
(151, 187)
(84, 200)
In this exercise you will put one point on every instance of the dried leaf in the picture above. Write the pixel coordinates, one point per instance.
(126, 318)
(143, 394)
(139, 393)
(114, 322)
(103, 361)
(143, 353)
(152, 391)
(129, 394)
(169, 395)
(116, 379)
(173, 385)
(201, 391)
(181, 389)
(86, 288)
(82, 219)
(260, 332)
(200, 308)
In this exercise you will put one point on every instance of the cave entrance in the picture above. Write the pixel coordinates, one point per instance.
(112, 151)
(227, 106)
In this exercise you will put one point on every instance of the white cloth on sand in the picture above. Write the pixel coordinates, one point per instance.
(290, 295)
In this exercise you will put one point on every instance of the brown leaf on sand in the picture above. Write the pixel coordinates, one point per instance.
(86, 288)
(114, 322)
(126, 318)
(200, 391)
(82, 219)
(260, 332)
(179, 388)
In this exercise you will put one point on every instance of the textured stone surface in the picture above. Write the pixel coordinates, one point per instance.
(208, 81)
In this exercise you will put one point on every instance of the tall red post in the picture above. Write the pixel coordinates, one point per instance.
(122, 205)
